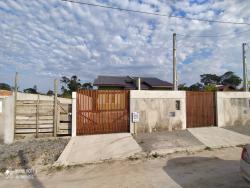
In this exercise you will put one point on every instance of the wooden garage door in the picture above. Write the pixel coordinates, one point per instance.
(201, 109)
(102, 111)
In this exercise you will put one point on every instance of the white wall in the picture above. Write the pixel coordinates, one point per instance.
(7, 120)
(233, 108)
(28, 96)
(156, 109)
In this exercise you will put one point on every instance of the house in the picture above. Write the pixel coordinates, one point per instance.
(131, 83)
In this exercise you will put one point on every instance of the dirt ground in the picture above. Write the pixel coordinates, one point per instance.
(209, 168)
(35, 153)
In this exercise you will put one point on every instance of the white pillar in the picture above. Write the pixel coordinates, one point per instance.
(139, 83)
(8, 119)
(73, 129)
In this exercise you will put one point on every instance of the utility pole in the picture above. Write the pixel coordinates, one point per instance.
(245, 79)
(175, 87)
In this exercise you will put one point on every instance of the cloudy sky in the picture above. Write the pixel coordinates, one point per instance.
(47, 39)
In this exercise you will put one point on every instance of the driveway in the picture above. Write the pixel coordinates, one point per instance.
(209, 168)
(96, 148)
(239, 129)
(168, 142)
(215, 137)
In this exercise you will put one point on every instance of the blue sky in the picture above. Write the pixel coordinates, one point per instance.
(44, 40)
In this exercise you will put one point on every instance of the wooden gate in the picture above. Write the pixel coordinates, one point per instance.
(102, 111)
(201, 109)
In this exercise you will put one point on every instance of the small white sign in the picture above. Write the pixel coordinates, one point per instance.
(135, 117)
(1, 106)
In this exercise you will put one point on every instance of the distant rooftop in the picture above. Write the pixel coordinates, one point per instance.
(129, 82)
(5, 93)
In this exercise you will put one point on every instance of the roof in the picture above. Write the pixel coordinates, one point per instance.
(5, 93)
(128, 82)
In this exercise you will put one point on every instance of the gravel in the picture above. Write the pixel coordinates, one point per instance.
(33, 153)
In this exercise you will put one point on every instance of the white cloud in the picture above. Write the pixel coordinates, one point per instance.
(47, 39)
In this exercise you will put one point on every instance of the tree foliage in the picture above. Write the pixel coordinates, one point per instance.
(5, 86)
(183, 87)
(196, 87)
(227, 79)
(210, 79)
(210, 87)
(87, 85)
(50, 93)
(72, 84)
(31, 90)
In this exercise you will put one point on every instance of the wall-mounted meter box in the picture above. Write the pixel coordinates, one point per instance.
(135, 117)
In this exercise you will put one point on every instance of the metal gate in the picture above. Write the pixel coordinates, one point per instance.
(201, 109)
(102, 111)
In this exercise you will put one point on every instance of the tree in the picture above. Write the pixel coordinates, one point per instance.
(5, 86)
(87, 85)
(210, 79)
(229, 78)
(31, 90)
(50, 93)
(70, 85)
(196, 87)
(183, 87)
(210, 87)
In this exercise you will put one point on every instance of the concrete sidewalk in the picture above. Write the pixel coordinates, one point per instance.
(96, 148)
(215, 137)
(167, 142)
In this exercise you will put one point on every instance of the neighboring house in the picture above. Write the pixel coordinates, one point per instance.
(131, 83)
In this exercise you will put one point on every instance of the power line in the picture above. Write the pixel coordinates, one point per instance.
(155, 14)
(214, 36)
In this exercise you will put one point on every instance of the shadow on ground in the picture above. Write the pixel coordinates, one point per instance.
(189, 172)
(33, 180)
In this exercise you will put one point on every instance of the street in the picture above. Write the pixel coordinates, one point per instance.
(209, 168)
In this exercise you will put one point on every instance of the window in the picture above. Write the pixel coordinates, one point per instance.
(178, 105)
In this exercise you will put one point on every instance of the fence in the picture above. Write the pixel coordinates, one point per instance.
(39, 116)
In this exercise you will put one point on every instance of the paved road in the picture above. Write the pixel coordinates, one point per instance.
(217, 168)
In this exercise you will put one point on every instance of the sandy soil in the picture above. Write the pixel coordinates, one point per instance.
(33, 153)
(209, 168)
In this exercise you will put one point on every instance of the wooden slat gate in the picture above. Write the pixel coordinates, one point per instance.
(102, 111)
(201, 109)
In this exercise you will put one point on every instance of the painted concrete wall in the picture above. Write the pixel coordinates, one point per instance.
(28, 96)
(7, 120)
(157, 110)
(1, 120)
(233, 108)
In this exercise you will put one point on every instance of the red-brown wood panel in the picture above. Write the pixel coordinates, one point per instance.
(200, 109)
(102, 111)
